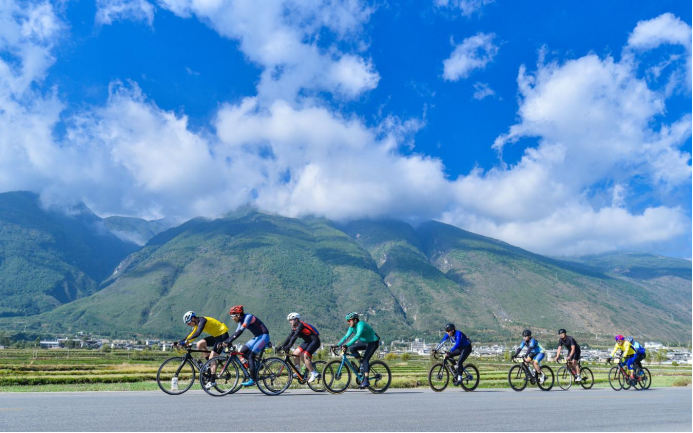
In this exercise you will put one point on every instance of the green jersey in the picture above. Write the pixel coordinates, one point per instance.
(363, 332)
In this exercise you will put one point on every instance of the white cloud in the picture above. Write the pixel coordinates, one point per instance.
(467, 7)
(283, 37)
(590, 122)
(482, 90)
(665, 29)
(473, 53)
(108, 11)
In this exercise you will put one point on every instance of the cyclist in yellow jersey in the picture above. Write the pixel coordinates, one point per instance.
(217, 330)
(626, 350)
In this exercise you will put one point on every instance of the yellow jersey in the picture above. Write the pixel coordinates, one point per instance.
(212, 326)
(625, 347)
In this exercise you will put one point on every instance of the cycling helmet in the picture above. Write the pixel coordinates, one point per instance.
(630, 340)
(187, 317)
(526, 333)
(236, 309)
(293, 316)
(449, 327)
(352, 315)
(618, 338)
(561, 331)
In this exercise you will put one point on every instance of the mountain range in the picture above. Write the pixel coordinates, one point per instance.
(69, 272)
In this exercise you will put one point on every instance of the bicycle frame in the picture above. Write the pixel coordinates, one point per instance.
(450, 363)
(345, 361)
(294, 368)
(188, 357)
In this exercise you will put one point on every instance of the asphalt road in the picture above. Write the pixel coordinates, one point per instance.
(661, 409)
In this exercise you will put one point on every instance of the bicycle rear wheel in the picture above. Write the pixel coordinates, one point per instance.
(336, 381)
(517, 378)
(645, 380)
(564, 378)
(624, 380)
(438, 377)
(614, 378)
(470, 377)
(587, 378)
(176, 375)
(217, 380)
(318, 384)
(379, 377)
(548, 378)
(273, 376)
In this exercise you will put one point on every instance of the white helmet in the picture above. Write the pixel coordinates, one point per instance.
(188, 317)
(293, 316)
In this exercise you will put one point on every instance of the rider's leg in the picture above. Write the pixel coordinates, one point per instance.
(370, 350)
(464, 354)
(307, 361)
(537, 360)
(202, 345)
(629, 363)
(354, 349)
(296, 355)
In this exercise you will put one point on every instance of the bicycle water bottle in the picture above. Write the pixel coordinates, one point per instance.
(174, 384)
(244, 362)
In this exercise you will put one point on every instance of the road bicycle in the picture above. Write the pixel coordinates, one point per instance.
(523, 373)
(567, 374)
(177, 374)
(221, 375)
(619, 377)
(302, 377)
(337, 373)
(440, 372)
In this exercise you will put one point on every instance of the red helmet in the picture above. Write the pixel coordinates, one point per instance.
(618, 337)
(236, 309)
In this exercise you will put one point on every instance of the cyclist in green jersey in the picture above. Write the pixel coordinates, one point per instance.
(364, 339)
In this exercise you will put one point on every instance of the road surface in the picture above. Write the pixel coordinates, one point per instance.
(661, 409)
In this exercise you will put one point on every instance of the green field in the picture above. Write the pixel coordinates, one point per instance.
(88, 370)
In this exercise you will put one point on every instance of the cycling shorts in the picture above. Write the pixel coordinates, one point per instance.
(576, 355)
(214, 343)
(538, 357)
(309, 347)
(257, 344)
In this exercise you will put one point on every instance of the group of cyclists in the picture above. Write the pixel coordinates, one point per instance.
(364, 339)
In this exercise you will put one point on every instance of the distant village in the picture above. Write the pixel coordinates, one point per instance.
(417, 347)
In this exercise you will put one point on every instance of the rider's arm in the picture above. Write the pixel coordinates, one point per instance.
(293, 336)
(239, 330)
(359, 331)
(519, 349)
(572, 352)
(197, 331)
(445, 338)
(349, 332)
(613, 352)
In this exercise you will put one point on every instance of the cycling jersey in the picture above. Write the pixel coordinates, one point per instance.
(533, 347)
(305, 331)
(459, 341)
(252, 324)
(567, 342)
(209, 325)
(625, 347)
(362, 331)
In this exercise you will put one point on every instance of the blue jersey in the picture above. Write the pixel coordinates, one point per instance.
(459, 340)
(532, 345)
(252, 324)
(637, 347)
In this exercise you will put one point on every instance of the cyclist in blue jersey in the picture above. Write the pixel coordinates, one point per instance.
(462, 347)
(532, 352)
(256, 345)
(637, 357)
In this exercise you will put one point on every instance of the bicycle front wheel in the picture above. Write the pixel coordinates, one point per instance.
(379, 377)
(587, 378)
(517, 378)
(217, 378)
(438, 377)
(564, 378)
(273, 376)
(470, 377)
(614, 378)
(624, 380)
(336, 377)
(548, 378)
(318, 385)
(176, 375)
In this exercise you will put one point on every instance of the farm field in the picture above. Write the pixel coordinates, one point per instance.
(88, 370)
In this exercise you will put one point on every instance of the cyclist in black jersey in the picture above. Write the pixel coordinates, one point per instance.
(573, 351)
(311, 342)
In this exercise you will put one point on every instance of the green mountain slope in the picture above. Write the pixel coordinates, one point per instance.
(522, 289)
(48, 258)
(271, 265)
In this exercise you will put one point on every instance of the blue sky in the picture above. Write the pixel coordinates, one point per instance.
(347, 110)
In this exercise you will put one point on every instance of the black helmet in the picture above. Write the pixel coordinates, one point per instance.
(449, 327)
(526, 333)
(561, 331)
